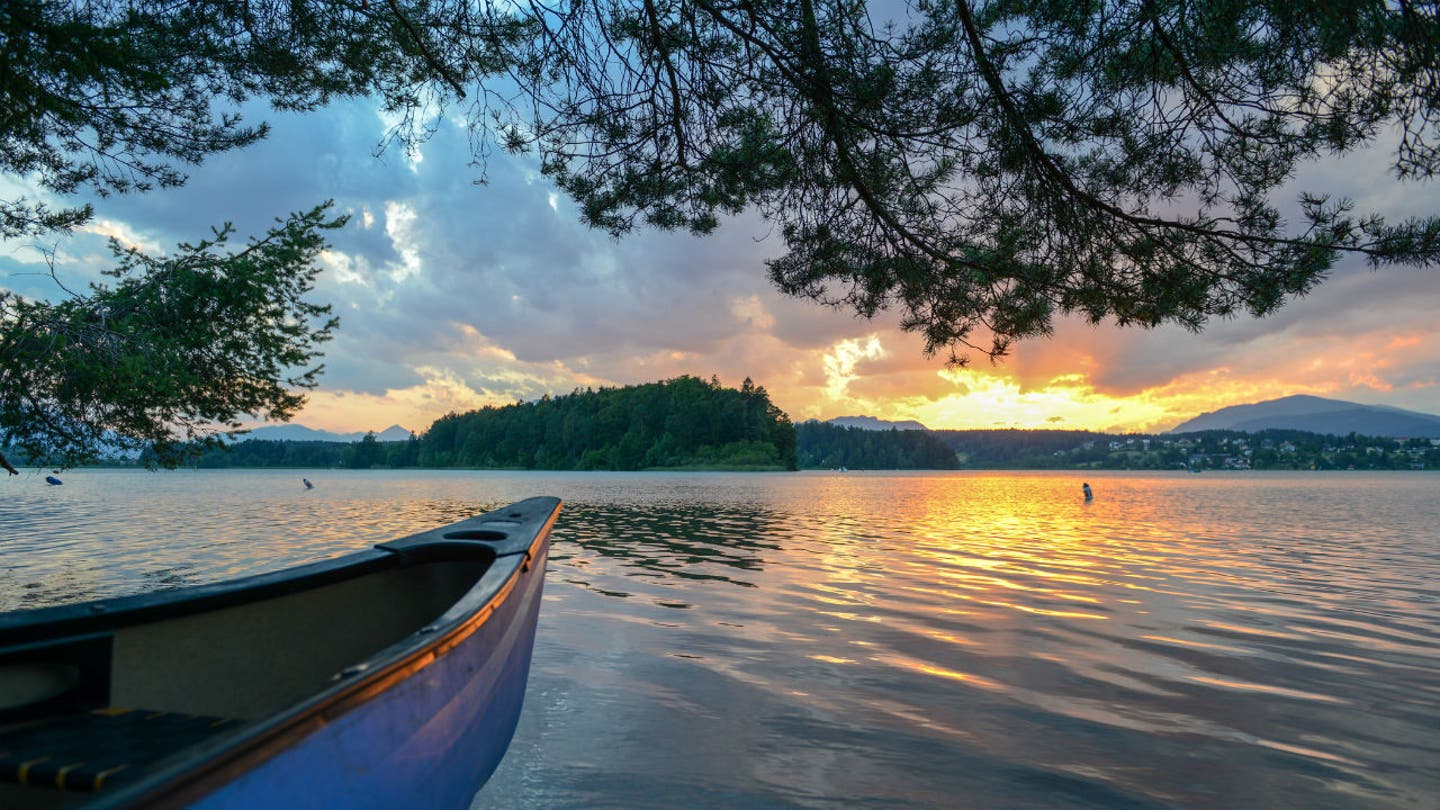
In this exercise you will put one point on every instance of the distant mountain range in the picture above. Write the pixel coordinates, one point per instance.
(1318, 415)
(300, 433)
(871, 423)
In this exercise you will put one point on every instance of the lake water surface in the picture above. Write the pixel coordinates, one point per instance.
(867, 640)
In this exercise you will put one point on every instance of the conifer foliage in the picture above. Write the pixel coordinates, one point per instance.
(684, 422)
(829, 446)
(172, 348)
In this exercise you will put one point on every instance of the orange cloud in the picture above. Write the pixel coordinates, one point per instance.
(414, 407)
(816, 364)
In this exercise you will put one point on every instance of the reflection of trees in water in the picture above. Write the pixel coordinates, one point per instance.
(76, 582)
(690, 541)
(165, 579)
(672, 540)
(83, 581)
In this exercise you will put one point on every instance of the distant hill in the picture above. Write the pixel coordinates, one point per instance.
(1318, 415)
(300, 433)
(872, 423)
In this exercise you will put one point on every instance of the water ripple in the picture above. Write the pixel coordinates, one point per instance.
(799, 641)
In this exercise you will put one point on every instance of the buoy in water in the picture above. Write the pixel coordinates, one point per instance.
(53, 481)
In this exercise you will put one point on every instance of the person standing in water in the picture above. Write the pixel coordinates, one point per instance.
(1088, 494)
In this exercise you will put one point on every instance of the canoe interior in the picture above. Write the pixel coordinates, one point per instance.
(250, 661)
(160, 677)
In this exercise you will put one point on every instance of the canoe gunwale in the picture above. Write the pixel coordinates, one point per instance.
(207, 766)
(42, 626)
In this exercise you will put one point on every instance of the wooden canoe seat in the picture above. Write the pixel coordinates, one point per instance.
(87, 751)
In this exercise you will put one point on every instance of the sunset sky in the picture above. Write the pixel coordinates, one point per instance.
(454, 295)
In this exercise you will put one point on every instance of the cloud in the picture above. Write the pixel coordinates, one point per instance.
(454, 295)
(842, 360)
(128, 238)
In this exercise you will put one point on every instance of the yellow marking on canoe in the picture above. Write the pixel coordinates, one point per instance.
(24, 771)
(100, 777)
(63, 772)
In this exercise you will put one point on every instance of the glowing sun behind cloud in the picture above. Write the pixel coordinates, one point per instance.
(984, 399)
(988, 400)
(865, 376)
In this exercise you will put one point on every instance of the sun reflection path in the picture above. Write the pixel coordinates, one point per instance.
(1167, 606)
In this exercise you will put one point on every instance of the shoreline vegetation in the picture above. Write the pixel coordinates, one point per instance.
(1194, 452)
(681, 424)
(688, 424)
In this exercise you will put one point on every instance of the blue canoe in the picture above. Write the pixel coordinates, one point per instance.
(392, 677)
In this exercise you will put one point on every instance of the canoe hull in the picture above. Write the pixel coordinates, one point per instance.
(391, 677)
(431, 740)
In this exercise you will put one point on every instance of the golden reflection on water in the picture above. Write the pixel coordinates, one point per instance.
(969, 679)
(985, 582)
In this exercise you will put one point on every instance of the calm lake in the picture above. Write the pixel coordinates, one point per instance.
(868, 640)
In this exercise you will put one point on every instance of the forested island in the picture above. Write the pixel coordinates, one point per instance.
(684, 423)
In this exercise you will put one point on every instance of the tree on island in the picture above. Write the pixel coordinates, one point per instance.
(685, 422)
(365, 453)
(982, 167)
